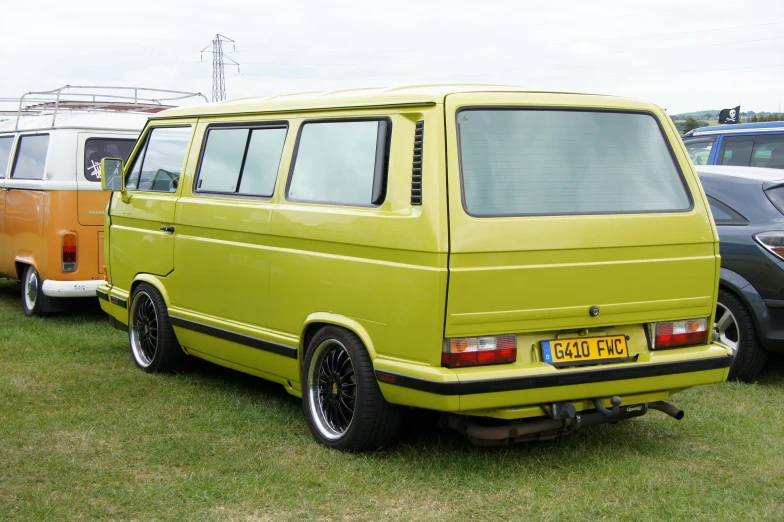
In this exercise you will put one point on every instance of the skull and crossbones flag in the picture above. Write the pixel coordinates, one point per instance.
(730, 115)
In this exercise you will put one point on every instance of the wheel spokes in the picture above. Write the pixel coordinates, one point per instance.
(145, 329)
(333, 389)
(725, 321)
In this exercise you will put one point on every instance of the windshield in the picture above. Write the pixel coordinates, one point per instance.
(546, 162)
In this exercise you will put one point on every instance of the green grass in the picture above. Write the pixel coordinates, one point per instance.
(84, 435)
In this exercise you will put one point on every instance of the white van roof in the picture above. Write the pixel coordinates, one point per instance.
(87, 107)
(76, 120)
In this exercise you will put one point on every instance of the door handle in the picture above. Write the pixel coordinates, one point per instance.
(169, 229)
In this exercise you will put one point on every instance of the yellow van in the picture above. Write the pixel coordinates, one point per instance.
(51, 204)
(527, 263)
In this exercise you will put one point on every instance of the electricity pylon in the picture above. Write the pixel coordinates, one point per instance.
(218, 58)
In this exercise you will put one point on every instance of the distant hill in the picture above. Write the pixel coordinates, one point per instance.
(713, 114)
(686, 121)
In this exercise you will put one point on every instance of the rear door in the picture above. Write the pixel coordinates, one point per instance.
(142, 224)
(554, 211)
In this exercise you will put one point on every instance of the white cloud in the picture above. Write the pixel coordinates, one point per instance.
(684, 56)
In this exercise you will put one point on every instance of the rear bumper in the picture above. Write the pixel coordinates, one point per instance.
(520, 393)
(548, 381)
(52, 288)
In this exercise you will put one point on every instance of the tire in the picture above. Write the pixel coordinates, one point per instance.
(154, 346)
(735, 328)
(345, 409)
(32, 295)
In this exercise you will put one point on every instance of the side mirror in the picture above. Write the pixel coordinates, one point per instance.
(112, 174)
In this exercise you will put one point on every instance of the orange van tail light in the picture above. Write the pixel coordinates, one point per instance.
(69, 252)
(672, 334)
(477, 351)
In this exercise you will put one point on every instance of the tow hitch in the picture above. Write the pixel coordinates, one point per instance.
(562, 419)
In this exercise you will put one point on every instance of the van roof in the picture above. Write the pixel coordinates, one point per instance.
(80, 120)
(361, 97)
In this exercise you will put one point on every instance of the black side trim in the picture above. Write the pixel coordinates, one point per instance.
(102, 295)
(774, 303)
(416, 169)
(119, 302)
(561, 379)
(118, 325)
(247, 340)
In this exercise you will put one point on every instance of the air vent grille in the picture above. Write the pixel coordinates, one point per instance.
(416, 171)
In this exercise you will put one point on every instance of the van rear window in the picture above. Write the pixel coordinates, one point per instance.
(548, 162)
(96, 149)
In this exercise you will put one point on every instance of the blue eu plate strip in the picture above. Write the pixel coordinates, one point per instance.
(546, 355)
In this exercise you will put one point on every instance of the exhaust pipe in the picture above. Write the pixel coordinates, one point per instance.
(564, 423)
(665, 407)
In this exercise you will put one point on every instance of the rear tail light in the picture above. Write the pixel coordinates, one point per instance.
(69, 252)
(477, 351)
(672, 334)
(773, 242)
(776, 196)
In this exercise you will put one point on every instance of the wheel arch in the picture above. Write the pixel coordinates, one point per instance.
(22, 261)
(151, 280)
(748, 295)
(315, 321)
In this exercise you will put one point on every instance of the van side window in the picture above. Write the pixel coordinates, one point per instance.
(768, 152)
(136, 169)
(6, 142)
(161, 161)
(341, 162)
(31, 157)
(699, 150)
(737, 152)
(96, 149)
(241, 161)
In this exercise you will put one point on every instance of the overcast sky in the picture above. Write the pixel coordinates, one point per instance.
(682, 55)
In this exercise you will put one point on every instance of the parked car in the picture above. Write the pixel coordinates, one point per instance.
(433, 246)
(748, 205)
(744, 145)
(51, 204)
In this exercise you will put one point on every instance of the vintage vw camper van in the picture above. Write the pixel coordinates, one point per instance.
(526, 263)
(51, 204)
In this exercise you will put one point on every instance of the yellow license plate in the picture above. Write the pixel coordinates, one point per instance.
(585, 350)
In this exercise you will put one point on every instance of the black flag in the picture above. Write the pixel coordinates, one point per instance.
(730, 115)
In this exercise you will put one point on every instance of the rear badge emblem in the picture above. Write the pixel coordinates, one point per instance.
(593, 311)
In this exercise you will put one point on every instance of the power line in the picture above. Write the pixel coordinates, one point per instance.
(662, 73)
(688, 32)
(218, 59)
(583, 20)
(648, 73)
(571, 55)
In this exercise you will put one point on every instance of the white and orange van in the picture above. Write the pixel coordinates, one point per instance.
(51, 204)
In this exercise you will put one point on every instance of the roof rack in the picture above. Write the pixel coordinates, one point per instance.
(87, 98)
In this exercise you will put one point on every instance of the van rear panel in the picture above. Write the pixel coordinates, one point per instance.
(572, 221)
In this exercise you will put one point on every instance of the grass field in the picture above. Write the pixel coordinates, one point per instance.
(85, 435)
